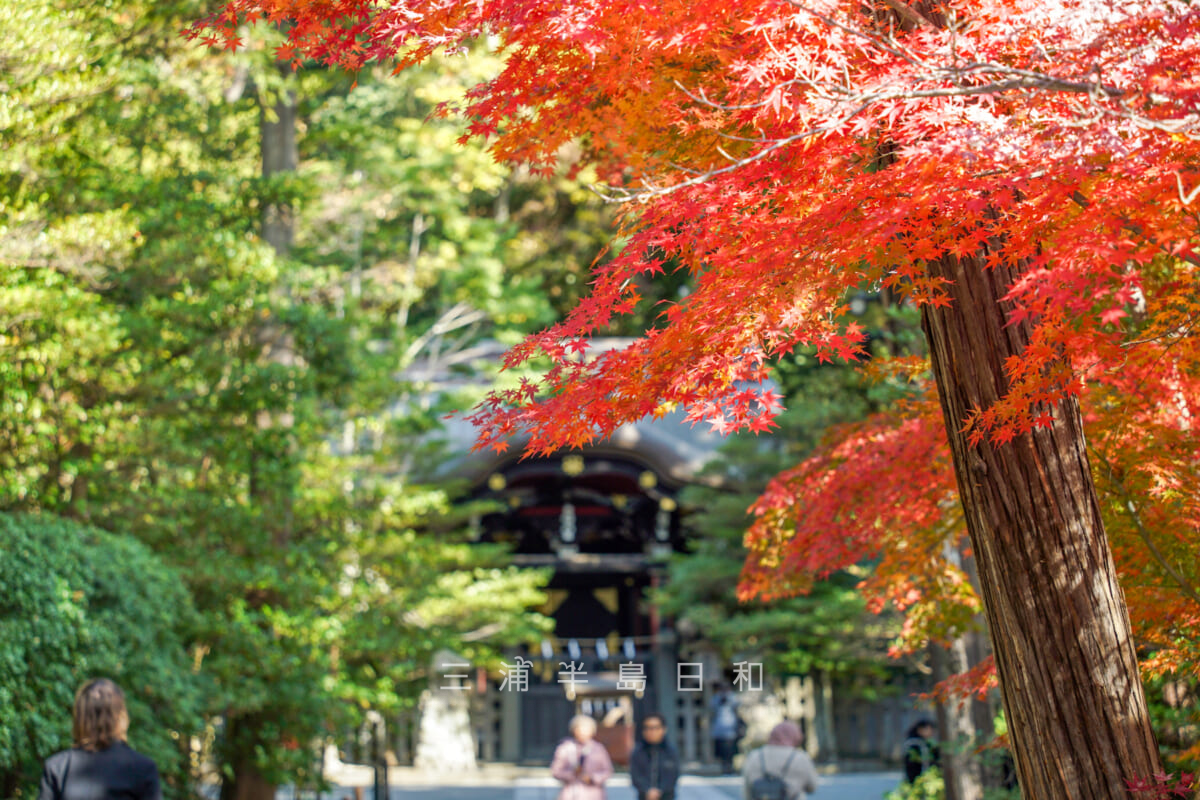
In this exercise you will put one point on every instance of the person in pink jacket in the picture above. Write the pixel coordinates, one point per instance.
(581, 763)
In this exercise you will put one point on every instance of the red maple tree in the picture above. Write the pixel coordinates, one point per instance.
(847, 502)
(1017, 169)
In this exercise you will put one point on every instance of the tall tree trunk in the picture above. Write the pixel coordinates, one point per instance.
(983, 712)
(956, 729)
(248, 781)
(279, 155)
(968, 725)
(270, 486)
(1060, 629)
(823, 727)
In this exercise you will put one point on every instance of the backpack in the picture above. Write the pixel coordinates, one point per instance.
(769, 786)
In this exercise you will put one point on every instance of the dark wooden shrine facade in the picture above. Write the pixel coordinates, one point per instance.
(604, 521)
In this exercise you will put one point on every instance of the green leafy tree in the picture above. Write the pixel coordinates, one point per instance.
(827, 631)
(78, 603)
(168, 374)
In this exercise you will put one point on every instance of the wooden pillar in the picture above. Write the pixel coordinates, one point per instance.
(510, 726)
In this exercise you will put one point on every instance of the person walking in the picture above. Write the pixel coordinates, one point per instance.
(724, 728)
(101, 765)
(920, 751)
(581, 763)
(778, 770)
(654, 765)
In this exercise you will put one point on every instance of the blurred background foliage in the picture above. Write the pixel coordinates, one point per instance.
(242, 420)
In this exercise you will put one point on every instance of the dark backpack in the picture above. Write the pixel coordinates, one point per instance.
(769, 786)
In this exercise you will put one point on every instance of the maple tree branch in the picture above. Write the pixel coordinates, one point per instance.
(890, 45)
(735, 138)
(934, 81)
(1024, 79)
(1185, 585)
(1187, 198)
(1037, 79)
(887, 44)
(1136, 230)
(1188, 126)
(618, 194)
(1173, 336)
(955, 73)
(1005, 79)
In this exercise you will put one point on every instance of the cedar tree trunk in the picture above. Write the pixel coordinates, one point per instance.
(279, 155)
(1060, 629)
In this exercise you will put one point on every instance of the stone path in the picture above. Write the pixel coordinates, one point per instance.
(850, 786)
(619, 789)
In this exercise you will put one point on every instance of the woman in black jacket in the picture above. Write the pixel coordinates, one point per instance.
(654, 765)
(101, 766)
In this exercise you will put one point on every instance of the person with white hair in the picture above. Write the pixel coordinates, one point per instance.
(581, 763)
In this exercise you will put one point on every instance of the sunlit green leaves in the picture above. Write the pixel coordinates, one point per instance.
(77, 603)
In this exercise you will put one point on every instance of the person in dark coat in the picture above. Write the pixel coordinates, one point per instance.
(654, 765)
(101, 766)
(920, 751)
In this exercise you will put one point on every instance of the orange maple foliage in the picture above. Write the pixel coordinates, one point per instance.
(1062, 134)
(849, 502)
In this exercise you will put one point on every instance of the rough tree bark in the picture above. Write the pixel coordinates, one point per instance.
(1060, 629)
(956, 731)
(277, 128)
(983, 712)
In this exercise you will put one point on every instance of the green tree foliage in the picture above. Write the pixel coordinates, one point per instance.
(929, 785)
(828, 630)
(1175, 711)
(261, 422)
(77, 603)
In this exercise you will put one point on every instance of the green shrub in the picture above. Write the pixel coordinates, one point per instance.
(927, 786)
(78, 603)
